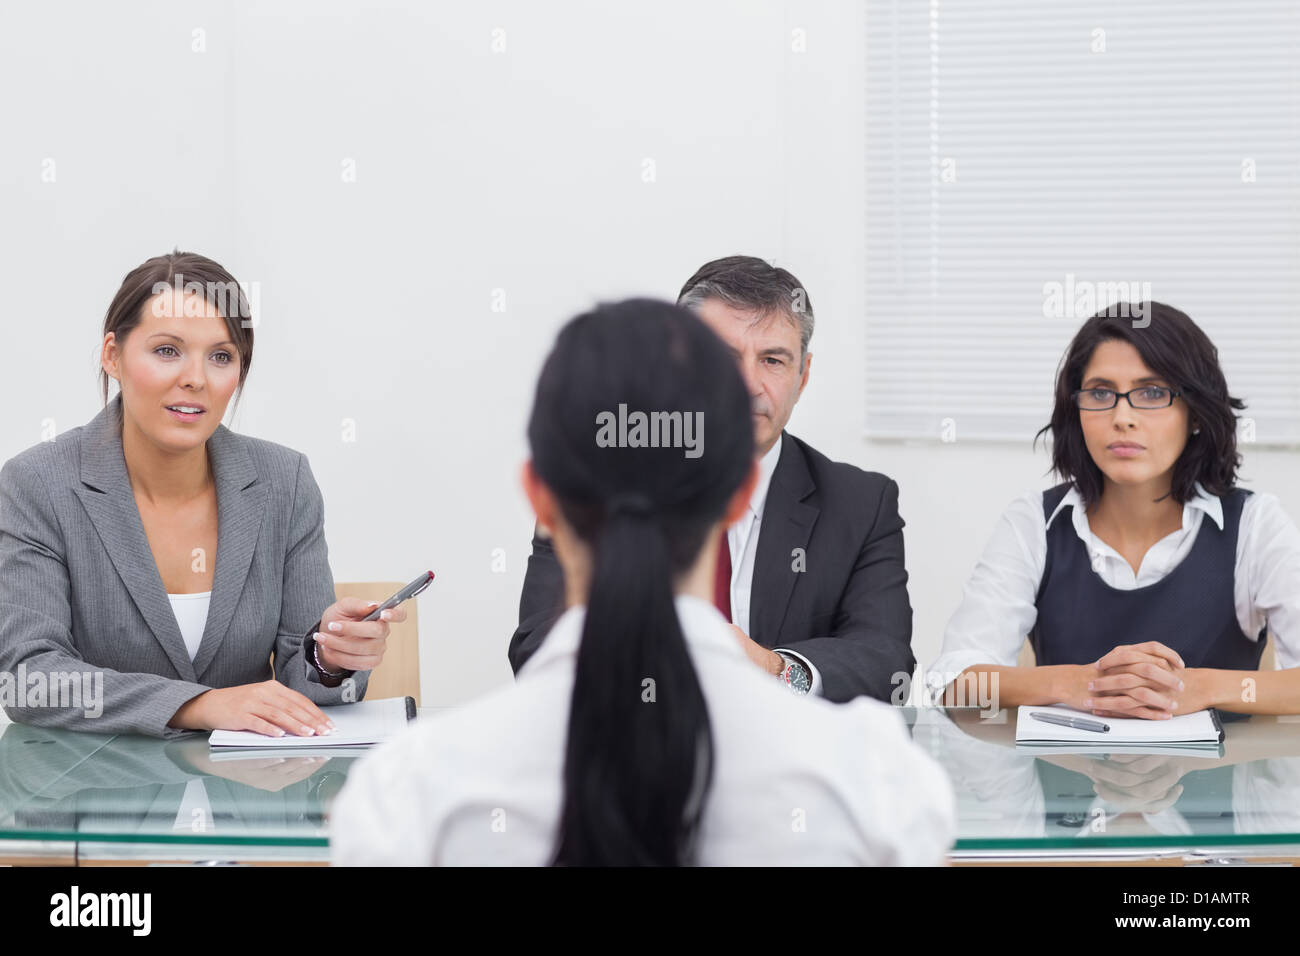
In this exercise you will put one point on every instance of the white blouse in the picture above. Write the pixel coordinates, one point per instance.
(191, 612)
(797, 780)
(997, 611)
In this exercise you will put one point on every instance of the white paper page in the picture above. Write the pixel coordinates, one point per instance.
(359, 724)
(1197, 727)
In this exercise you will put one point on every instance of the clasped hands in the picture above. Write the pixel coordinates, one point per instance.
(1146, 680)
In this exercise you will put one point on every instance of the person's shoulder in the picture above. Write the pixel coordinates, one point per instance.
(495, 724)
(882, 796)
(1263, 508)
(848, 720)
(50, 463)
(809, 727)
(286, 470)
(833, 748)
(1250, 498)
(269, 458)
(839, 476)
(1038, 503)
(282, 472)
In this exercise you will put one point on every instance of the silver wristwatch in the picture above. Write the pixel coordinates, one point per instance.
(795, 675)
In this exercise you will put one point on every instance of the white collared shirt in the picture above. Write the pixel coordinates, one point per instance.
(742, 541)
(795, 781)
(997, 611)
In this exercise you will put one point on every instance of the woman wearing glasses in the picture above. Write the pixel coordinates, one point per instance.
(1148, 581)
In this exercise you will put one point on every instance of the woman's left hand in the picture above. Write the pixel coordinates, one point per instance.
(1128, 687)
(346, 642)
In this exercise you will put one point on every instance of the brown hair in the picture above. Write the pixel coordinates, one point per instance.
(187, 272)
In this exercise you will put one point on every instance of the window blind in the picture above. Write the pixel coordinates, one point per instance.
(1029, 164)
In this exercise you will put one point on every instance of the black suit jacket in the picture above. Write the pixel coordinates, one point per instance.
(847, 611)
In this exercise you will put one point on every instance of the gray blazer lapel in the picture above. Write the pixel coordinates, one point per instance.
(105, 492)
(787, 524)
(241, 506)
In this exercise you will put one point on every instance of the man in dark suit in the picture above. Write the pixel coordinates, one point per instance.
(812, 577)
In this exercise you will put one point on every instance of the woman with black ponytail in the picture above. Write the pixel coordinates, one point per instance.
(640, 733)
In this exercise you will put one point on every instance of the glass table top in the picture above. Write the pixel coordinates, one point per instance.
(1244, 793)
(129, 790)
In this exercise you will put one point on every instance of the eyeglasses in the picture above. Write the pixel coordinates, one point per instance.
(1146, 397)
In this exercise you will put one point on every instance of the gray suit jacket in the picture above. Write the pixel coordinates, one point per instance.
(80, 595)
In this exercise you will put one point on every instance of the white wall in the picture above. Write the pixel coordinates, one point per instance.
(476, 171)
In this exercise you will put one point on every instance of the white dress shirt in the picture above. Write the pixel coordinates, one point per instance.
(795, 781)
(997, 611)
(742, 542)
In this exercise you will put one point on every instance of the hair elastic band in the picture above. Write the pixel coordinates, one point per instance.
(630, 503)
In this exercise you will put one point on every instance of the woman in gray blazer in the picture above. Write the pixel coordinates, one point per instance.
(155, 566)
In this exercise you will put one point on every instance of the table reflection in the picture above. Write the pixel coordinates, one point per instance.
(1250, 785)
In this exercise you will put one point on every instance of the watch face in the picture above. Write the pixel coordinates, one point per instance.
(797, 679)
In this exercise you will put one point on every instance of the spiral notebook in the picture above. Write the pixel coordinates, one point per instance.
(362, 724)
(1195, 730)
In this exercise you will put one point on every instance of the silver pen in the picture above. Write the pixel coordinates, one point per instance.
(1078, 723)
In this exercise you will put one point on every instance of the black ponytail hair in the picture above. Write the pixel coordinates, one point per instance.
(639, 753)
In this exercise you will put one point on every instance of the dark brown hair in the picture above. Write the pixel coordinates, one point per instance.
(189, 272)
(1175, 348)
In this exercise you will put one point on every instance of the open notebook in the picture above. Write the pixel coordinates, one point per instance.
(1200, 729)
(359, 725)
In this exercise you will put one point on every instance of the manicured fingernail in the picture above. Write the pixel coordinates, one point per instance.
(320, 638)
(1180, 685)
(373, 604)
(1087, 704)
(1092, 685)
(279, 732)
(307, 731)
(386, 615)
(335, 626)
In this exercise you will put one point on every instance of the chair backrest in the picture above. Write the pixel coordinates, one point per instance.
(399, 673)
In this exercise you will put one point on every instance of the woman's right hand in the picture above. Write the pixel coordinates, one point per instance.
(268, 708)
(1139, 680)
(1132, 680)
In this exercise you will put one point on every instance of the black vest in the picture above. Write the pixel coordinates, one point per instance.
(1081, 618)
